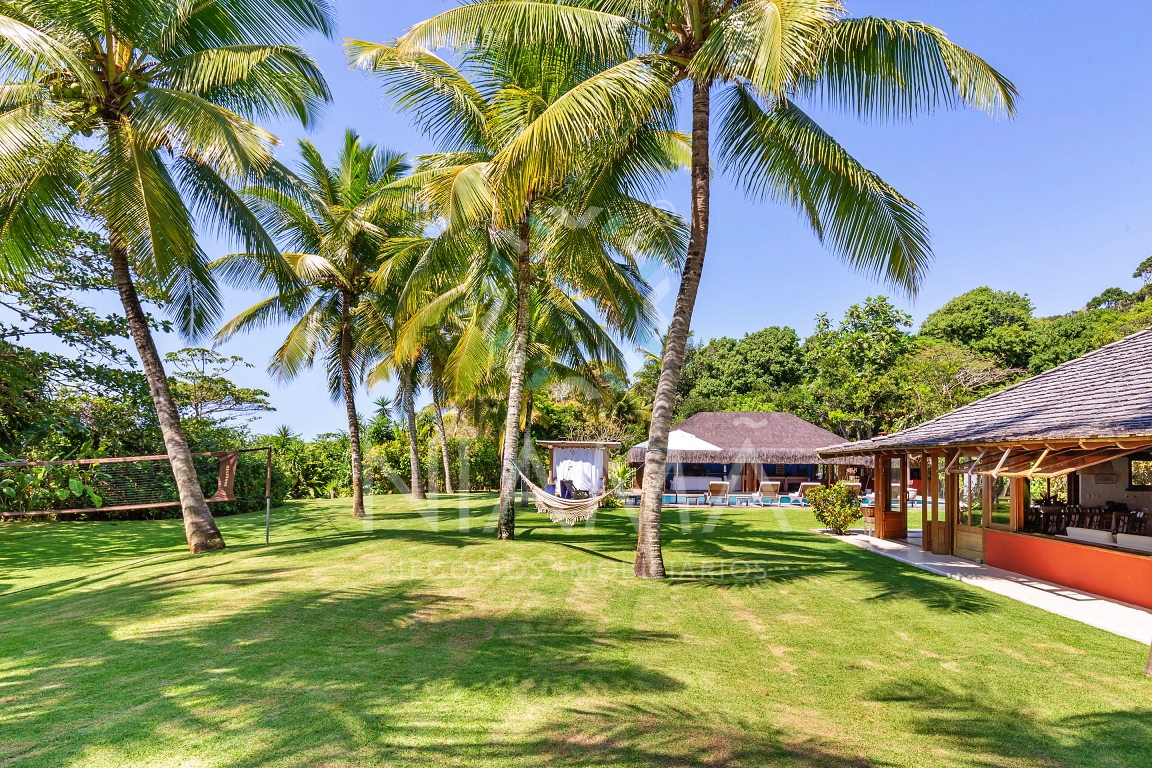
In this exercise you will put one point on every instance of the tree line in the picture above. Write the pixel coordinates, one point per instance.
(510, 257)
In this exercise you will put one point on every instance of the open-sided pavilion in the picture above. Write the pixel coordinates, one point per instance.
(987, 471)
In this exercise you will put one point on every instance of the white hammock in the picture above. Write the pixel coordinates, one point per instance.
(567, 511)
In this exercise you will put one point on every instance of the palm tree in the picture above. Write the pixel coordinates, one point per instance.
(384, 317)
(163, 95)
(333, 222)
(764, 54)
(437, 352)
(592, 225)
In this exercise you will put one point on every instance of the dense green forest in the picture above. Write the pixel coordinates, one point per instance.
(869, 372)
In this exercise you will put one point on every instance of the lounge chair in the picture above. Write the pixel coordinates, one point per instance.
(769, 489)
(802, 493)
(718, 490)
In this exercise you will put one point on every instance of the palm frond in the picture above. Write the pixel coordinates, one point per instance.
(517, 24)
(442, 102)
(882, 69)
(763, 42)
(218, 137)
(782, 153)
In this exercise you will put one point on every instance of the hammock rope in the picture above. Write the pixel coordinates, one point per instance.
(567, 511)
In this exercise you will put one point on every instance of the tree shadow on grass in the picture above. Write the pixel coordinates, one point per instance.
(632, 736)
(120, 670)
(736, 554)
(991, 734)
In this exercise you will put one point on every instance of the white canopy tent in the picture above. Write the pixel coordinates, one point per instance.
(582, 463)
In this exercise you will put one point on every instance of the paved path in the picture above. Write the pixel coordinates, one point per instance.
(1110, 615)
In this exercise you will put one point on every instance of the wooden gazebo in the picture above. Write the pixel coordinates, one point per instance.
(978, 471)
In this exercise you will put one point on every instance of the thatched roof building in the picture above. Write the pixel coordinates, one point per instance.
(747, 438)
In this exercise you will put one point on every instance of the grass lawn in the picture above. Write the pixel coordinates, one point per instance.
(417, 639)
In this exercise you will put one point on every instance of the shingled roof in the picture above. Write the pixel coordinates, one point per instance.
(755, 438)
(1105, 394)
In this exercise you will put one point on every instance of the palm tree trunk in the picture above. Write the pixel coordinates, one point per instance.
(525, 456)
(1148, 669)
(413, 446)
(649, 559)
(443, 440)
(199, 527)
(506, 529)
(350, 403)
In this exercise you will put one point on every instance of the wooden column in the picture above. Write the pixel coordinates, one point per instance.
(1017, 505)
(883, 491)
(951, 506)
(903, 500)
(939, 528)
(927, 467)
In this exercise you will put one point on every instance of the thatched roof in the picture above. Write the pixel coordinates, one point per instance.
(755, 438)
(1104, 395)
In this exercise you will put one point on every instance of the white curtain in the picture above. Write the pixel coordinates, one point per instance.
(584, 467)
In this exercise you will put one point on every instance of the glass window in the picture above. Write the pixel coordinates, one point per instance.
(976, 508)
(971, 500)
(1001, 511)
(1140, 471)
(894, 485)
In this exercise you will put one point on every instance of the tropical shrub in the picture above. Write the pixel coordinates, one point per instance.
(836, 507)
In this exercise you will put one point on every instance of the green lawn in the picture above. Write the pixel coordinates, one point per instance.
(418, 639)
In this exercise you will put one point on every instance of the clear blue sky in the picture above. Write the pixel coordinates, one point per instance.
(1053, 204)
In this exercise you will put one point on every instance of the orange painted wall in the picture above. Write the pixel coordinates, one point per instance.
(1117, 575)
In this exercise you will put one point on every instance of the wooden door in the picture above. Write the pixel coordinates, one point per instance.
(748, 482)
(971, 517)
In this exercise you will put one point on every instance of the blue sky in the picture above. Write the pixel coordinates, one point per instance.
(1053, 204)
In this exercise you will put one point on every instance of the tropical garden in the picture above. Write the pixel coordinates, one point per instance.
(487, 294)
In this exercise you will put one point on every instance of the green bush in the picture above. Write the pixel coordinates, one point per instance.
(836, 508)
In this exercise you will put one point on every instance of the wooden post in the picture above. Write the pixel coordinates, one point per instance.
(950, 507)
(883, 491)
(926, 468)
(1016, 499)
(987, 490)
(1148, 669)
(938, 536)
(904, 492)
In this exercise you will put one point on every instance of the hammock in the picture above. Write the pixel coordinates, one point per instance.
(567, 511)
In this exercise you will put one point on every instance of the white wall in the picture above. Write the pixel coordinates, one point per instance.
(1094, 493)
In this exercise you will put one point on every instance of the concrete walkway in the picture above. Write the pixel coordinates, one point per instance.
(1109, 615)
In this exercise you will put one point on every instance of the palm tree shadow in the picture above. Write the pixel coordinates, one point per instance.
(989, 731)
(341, 657)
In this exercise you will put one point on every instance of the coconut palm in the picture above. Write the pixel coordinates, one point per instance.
(385, 314)
(437, 351)
(764, 55)
(135, 116)
(593, 224)
(333, 223)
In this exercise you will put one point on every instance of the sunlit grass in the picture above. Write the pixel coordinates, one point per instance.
(416, 638)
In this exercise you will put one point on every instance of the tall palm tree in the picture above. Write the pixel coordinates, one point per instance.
(764, 55)
(437, 351)
(333, 223)
(384, 319)
(136, 116)
(592, 225)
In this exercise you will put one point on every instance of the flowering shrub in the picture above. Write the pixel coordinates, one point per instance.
(836, 507)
